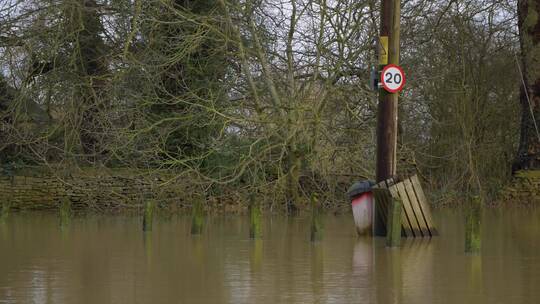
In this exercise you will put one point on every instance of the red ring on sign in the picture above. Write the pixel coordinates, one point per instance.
(402, 83)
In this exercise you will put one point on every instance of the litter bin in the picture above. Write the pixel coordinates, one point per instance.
(362, 206)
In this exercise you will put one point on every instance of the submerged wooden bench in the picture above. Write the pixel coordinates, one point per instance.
(416, 219)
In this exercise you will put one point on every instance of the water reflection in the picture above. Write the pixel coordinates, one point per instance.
(363, 268)
(4, 228)
(109, 260)
(475, 279)
(256, 256)
(147, 243)
(317, 272)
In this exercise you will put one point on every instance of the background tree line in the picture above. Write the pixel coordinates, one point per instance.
(259, 96)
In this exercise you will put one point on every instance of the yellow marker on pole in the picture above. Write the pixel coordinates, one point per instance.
(383, 50)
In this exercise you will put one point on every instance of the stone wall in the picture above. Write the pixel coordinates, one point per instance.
(525, 188)
(90, 189)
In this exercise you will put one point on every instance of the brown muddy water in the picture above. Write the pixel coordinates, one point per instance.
(108, 259)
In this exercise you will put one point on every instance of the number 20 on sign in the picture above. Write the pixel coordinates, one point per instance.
(392, 78)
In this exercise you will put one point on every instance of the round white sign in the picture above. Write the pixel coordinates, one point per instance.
(392, 78)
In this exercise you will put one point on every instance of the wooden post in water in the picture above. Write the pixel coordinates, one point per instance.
(197, 220)
(65, 212)
(255, 217)
(5, 211)
(148, 215)
(473, 220)
(316, 219)
(393, 227)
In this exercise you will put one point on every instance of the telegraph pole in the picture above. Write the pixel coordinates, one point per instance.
(387, 108)
(387, 111)
(394, 59)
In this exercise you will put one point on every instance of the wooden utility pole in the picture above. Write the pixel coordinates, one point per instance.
(528, 157)
(387, 110)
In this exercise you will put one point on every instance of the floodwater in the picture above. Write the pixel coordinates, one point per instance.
(108, 259)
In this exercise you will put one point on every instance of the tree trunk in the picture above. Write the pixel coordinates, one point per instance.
(529, 32)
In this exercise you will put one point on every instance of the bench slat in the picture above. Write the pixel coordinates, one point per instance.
(407, 228)
(424, 205)
(416, 208)
(408, 210)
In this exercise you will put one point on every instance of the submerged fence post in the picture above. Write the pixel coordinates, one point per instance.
(255, 217)
(316, 219)
(197, 217)
(65, 212)
(5, 210)
(473, 220)
(148, 215)
(393, 226)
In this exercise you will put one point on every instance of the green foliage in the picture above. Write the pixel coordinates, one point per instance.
(180, 41)
(460, 127)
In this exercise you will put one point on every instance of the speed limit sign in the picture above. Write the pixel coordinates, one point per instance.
(392, 78)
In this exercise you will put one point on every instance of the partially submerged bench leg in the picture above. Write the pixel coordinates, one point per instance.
(393, 227)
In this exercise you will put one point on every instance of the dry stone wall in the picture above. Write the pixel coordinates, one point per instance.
(34, 189)
(525, 188)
